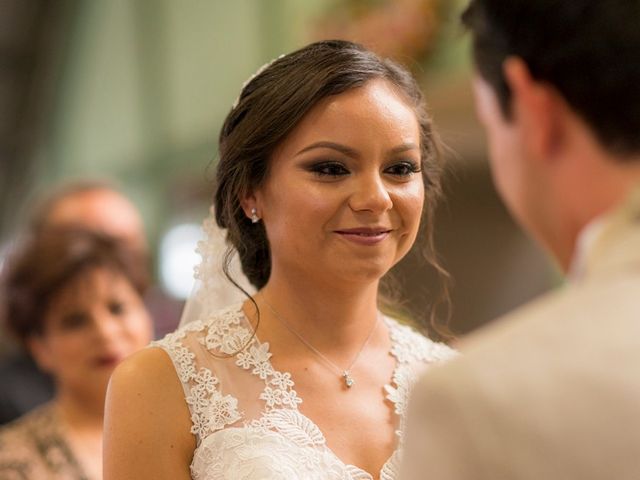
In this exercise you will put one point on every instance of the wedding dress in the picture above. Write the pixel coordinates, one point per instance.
(245, 414)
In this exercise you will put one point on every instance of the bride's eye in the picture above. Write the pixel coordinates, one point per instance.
(329, 169)
(403, 169)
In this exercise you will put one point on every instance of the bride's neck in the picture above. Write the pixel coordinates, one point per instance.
(324, 314)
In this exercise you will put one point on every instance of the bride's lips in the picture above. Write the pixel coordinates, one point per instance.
(365, 235)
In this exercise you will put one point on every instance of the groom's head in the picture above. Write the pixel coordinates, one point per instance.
(557, 88)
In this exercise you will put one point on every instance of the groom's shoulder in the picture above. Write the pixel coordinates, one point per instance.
(573, 328)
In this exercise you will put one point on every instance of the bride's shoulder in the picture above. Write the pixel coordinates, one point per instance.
(206, 324)
(221, 333)
(148, 367)
(155, 365)
(408, 345)
(145, 406)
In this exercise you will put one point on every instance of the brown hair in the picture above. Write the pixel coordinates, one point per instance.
(270, 106)
(36, 271)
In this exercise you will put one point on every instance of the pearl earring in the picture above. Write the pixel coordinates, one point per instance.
(254, 215)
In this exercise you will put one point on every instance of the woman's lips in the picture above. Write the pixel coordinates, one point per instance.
(364, 236)
(107, 361)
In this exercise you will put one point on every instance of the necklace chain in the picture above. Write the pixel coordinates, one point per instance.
(345, 374)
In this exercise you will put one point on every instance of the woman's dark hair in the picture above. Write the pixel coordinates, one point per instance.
(270, 106)
(587, 49)
(42, 265)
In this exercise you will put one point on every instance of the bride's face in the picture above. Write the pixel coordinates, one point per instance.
(344, 193)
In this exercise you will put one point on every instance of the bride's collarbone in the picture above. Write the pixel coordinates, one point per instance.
(358, 423)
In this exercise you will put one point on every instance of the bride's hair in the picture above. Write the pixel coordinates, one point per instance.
(270, 106)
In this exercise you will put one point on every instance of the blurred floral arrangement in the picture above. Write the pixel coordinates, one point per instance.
(404, 30)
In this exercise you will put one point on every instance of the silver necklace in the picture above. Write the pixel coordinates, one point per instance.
(345, 374)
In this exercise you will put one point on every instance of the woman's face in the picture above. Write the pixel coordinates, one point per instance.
(344, 192)
(91, 325)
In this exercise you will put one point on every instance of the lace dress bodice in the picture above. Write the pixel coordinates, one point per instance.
(245, 414)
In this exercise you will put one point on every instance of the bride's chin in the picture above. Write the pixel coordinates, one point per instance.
(364, 273)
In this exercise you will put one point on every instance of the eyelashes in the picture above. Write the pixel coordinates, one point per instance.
(404, 169)
(335, 169)
(329, 169)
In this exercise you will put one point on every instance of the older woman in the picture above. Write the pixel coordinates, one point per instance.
(73, 298)
(325, 164)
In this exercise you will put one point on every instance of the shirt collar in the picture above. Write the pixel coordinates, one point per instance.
(609, 241)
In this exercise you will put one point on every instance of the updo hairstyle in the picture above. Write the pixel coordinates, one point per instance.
(270, 106)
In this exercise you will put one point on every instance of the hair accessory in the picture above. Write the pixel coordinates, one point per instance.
(258, 72)
(254, 215)
(344, 373)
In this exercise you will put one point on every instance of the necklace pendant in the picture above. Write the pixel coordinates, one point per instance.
(348, 380)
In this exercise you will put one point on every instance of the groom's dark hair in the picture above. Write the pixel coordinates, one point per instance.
(589, 50)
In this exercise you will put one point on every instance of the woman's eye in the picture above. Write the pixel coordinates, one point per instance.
(116, 308)
(329, 169)
(403, 169)
(74, 321)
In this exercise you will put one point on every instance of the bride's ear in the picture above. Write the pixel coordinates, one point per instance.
(249, 204)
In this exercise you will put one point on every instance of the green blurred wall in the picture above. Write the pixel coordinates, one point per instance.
(145, 85)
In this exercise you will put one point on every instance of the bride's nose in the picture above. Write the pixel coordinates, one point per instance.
(370, 194)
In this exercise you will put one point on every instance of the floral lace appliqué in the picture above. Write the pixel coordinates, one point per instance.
(281, 443)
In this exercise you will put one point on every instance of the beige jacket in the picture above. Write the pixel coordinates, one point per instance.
(550, 392)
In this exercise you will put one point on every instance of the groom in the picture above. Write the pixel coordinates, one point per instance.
(552, 391)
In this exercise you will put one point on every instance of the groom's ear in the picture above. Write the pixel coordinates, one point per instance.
(538, 109)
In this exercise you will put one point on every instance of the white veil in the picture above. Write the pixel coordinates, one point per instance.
(212, 290)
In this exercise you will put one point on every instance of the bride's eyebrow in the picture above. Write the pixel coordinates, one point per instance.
(348, 151)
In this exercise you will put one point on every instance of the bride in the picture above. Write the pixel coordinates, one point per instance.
(328, 162)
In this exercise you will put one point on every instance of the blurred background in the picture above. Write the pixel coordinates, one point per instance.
(135, 91)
